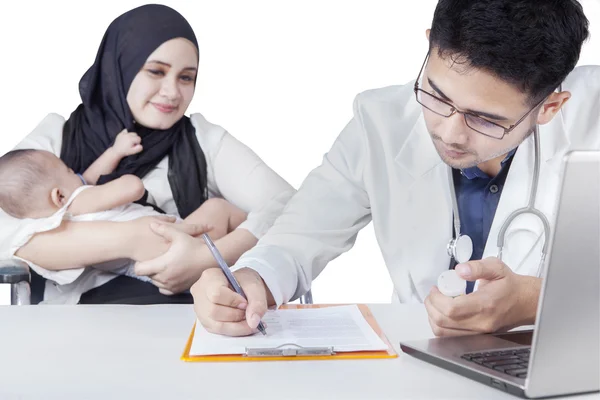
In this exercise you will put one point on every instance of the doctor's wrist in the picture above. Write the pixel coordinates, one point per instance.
(258, 278)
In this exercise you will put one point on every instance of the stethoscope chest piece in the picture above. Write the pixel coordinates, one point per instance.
(460, 248)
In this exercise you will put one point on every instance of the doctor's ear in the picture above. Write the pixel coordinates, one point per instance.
(58, 198)
(552, 106)
(427, 32)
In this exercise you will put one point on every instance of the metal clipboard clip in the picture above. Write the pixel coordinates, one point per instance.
(286, 351)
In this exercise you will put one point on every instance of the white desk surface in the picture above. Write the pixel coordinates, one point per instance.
(132, 352)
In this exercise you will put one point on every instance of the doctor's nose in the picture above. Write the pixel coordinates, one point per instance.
(454, 130)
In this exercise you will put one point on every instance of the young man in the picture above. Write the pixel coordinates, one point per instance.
(495, 69)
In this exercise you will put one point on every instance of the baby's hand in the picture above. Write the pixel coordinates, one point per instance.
(127, 143)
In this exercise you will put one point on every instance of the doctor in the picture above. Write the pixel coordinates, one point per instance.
(495, 69)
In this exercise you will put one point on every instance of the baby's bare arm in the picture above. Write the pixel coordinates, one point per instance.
(121, 191)
(126, 143)
(104, 165)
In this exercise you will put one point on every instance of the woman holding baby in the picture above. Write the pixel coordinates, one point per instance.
(195, 172)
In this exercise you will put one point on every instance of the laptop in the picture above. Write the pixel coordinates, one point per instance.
(561, 354)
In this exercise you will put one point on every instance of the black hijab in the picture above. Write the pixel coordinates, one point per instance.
(94, 125)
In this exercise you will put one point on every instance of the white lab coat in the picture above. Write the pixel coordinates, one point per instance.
(383, 167)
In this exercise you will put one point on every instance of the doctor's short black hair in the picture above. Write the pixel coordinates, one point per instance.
(532, 44)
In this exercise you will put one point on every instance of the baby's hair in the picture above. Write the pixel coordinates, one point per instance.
(22, 174)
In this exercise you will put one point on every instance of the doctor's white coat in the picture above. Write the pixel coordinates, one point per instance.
(383, 167)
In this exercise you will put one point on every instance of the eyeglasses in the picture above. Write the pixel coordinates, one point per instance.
(473, 121)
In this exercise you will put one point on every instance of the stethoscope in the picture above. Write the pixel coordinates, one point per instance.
(460, 247)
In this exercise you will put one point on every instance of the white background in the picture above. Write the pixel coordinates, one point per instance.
(278, 75)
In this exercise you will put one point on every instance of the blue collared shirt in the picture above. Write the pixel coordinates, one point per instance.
(477, 197)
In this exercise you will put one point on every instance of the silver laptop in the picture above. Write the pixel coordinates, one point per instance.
(561, 355)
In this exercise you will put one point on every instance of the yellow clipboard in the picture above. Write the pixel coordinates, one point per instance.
(321, 354)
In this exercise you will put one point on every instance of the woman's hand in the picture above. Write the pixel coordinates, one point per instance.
(179, 267)
(142, 243)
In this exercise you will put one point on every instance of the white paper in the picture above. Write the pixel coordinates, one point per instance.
(342, 327)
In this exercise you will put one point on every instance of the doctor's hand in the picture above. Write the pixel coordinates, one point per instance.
(504, 300)
(177, 268)
(221, 310)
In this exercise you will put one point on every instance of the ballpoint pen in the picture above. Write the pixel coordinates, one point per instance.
(225, 268)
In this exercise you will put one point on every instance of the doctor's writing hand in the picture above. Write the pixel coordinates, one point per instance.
(179, 266)
(221, 310)
(504, 300)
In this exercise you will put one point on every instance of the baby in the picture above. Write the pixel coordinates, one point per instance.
(36, 184)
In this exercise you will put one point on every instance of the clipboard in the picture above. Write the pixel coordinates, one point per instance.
(293, 352)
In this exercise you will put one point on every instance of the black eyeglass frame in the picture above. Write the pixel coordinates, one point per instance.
(417, 89)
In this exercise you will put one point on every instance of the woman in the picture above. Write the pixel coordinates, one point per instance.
(143, 80)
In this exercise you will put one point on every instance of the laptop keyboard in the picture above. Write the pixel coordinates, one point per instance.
(510, 362)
